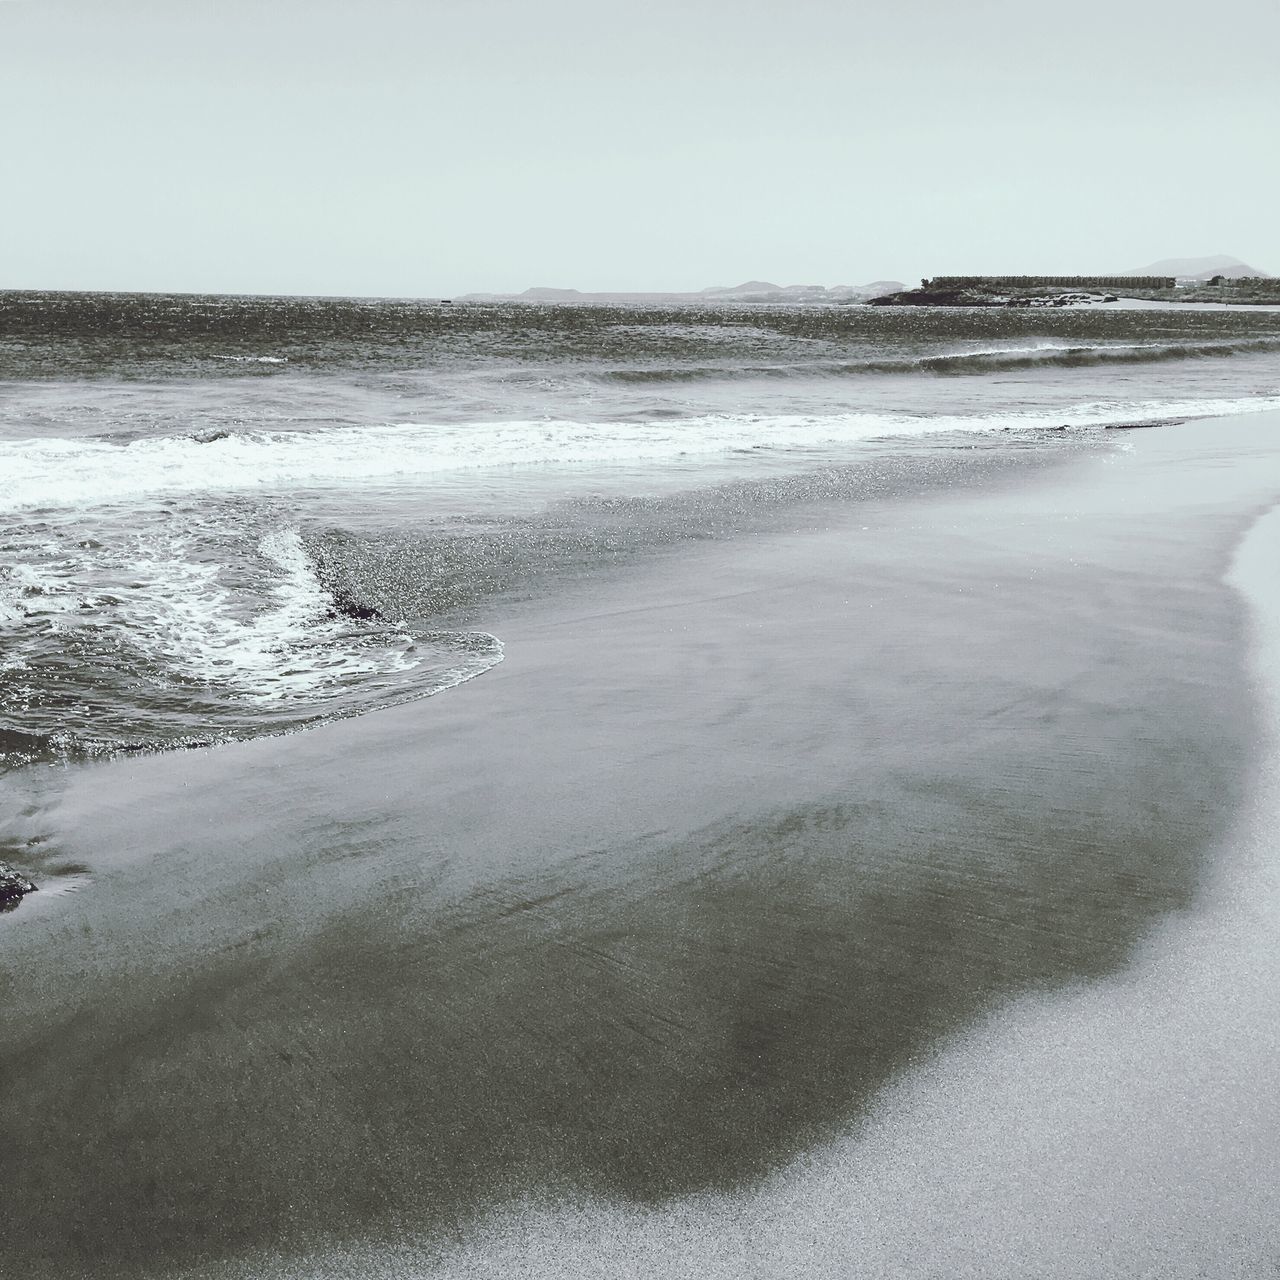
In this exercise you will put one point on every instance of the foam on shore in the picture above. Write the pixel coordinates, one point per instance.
(57, 474)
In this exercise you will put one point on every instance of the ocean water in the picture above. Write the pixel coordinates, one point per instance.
(224, 517)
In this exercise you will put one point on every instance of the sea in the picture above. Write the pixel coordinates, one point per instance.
(222, 517)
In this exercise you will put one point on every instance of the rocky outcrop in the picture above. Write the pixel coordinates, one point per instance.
(13, 887)
(978, 296)
(347, 606)
(967, 297)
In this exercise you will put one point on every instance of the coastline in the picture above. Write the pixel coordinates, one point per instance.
(581, 929)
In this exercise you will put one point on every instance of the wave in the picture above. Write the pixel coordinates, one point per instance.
(291, 645)
(253, 359)
(956, 363)
(69, 474)
(164, 639)
(1085, 356)
(133, 728)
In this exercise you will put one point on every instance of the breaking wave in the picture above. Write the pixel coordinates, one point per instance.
(959, 363)
(159, 638)
(76, 473)
(252, 359)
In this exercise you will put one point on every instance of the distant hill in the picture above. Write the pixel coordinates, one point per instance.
(748, 291)
(540, 294)
(750, 286)
(1198, 268)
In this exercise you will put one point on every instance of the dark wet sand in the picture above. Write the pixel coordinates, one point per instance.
(657, 906)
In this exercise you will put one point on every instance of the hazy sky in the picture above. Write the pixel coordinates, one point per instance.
(427, 147)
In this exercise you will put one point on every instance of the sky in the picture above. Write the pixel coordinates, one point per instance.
(437, 147)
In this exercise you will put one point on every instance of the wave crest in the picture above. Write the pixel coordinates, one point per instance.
(956, 363)
(79, 474)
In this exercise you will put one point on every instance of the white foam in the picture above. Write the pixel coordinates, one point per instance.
(1040, 348)
(254, 359)
(41, 586)
(11, 609)
(62, 473)
(292, 649)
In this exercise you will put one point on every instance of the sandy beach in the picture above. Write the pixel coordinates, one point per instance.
(789, 904)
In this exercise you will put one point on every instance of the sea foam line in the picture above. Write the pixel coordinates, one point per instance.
(62, 473)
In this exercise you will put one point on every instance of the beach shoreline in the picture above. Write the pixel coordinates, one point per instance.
(655, 908)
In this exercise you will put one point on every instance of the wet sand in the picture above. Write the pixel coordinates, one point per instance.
(659, 916)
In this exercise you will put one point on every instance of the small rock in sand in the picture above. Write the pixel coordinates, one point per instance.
(13, 887)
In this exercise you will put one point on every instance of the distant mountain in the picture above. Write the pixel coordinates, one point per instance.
(751, 286)
(748, 291)
(1198, 268)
